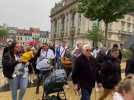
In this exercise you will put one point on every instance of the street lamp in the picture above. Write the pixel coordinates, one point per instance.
(54, 38)
(72, 34)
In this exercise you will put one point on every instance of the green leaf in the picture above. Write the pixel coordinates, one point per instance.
(105, 10)
(96, 35)
(3, 32)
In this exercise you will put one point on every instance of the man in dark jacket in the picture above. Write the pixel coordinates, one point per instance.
(84, 73)
(111, 73)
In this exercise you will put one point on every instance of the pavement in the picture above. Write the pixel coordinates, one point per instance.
(5, 94)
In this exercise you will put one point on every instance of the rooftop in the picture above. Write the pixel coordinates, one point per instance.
(61, 5)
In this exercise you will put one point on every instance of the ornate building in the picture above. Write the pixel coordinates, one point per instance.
(68, 25)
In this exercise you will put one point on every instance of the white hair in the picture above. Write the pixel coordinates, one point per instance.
(86, 46)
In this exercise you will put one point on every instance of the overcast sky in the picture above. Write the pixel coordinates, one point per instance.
(26, 13)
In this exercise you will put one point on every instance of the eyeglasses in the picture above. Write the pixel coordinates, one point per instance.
(88, 50)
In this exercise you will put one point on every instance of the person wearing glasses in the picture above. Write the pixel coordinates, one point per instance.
(84, 73)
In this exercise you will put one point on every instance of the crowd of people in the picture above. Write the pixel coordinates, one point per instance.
(84, 65)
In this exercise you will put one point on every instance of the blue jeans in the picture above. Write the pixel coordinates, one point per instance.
(18, 82)
(86, 93)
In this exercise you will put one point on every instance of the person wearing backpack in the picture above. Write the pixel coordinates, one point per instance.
(7, 59)
(110, 73)
(13, 71)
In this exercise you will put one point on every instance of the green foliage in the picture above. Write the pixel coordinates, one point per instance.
(95, 35)
(105, 10)
(3, 32)
(126, 54)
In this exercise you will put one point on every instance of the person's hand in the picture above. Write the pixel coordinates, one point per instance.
(99, 85)
(76, 87)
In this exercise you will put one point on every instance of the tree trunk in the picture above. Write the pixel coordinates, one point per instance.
(106, 32)
(95, 44)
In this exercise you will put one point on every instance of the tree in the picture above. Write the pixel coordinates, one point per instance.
(95, 35)
(105, 10)
(3, 32)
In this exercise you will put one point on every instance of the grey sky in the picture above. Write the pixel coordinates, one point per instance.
(26, 13)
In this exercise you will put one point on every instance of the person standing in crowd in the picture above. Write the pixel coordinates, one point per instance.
(43, 53)
(57, 56)
(101, 58)
(11, 61)
(63, 48)
(125, 89)
(77, 51)
(84, 73)
(60, 53)
(7, 48)
(95, 52)
(26, 58)
(52, 46)
(110, 73)
(115, 46)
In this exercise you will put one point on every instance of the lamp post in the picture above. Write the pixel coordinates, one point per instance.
(54, 38)
(72, 34)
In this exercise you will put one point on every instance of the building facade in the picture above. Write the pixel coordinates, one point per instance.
(66, 24)
(24, 35)
(12, 32)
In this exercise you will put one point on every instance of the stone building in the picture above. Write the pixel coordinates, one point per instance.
(67, 24)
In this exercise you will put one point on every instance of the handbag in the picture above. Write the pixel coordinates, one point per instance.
(66, 61)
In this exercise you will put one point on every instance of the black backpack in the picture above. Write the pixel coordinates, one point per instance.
(7, 64)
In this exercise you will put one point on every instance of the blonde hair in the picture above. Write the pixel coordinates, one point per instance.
(126, 85)
(86, 46)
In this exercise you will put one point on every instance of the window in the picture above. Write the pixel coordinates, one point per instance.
(122, 26)
(128, 27)
(94, 24)
(79, 23)
(55, 25)
(133, 28)
(110, 27)
(67, 23)
(73, 19)
(63, 24)
(129, 19)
